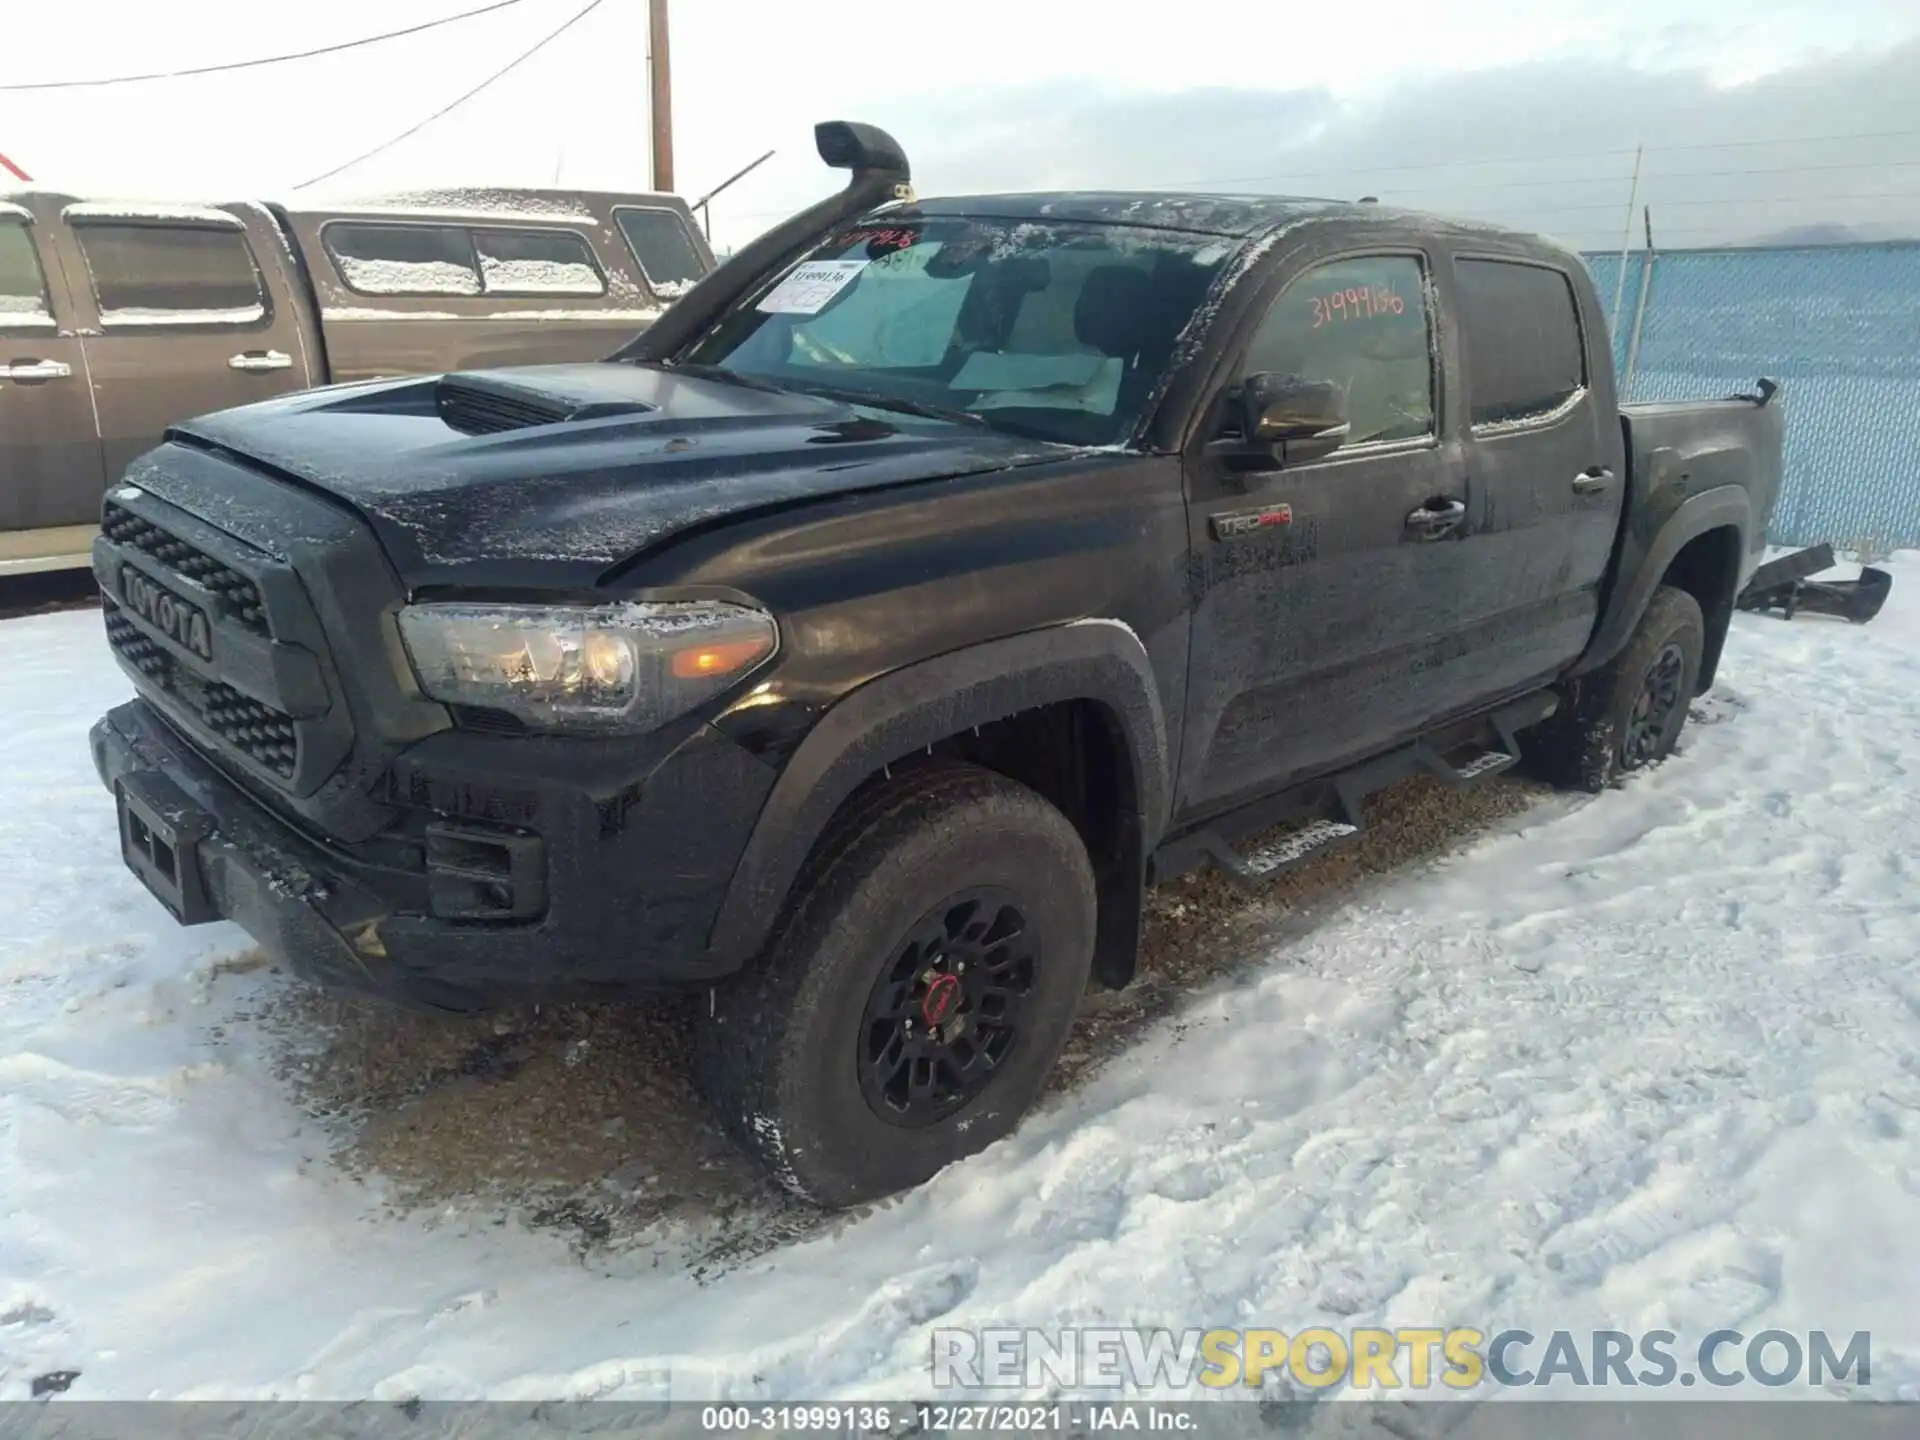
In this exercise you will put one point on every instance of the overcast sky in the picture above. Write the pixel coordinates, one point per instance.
(1759, 116)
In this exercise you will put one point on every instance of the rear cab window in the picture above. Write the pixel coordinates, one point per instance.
(422, 261)
(24, 304)
(663, 246)
(1362, 323)
(1526, 357)
(159, 273)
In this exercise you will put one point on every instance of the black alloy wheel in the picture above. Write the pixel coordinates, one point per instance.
(945, 1013)
(1654, 708)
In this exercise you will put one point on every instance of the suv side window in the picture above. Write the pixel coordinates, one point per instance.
(404, 259)
(537, 262)
(170, 273)
(1364, 324)
(1525, 357)
(661, 244)
(23, 289)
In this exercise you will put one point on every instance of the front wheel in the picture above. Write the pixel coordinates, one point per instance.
(918, 993)
(1628, 714)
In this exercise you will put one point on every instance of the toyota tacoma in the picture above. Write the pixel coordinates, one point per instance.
(856, 645)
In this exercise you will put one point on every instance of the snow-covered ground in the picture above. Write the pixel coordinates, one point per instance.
(1645, 1061)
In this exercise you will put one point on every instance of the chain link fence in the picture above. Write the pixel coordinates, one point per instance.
(1839, 326)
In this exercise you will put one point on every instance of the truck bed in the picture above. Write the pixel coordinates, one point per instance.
(1678, 449)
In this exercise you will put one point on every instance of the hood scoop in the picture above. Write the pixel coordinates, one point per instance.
(488, 405)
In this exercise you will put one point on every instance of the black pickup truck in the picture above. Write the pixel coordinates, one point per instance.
(859, 643)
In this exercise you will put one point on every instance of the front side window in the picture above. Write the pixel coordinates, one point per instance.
(1364, 324)
(23, 290)
(1060, 331)
(1524, 354)
(404, 259)
(159, 274)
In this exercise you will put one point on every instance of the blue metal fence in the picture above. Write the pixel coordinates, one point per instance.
(1838, 325)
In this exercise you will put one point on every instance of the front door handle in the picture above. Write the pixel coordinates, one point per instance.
(33, 371)
(1592, 482)
(1436, 518)
(261, 360)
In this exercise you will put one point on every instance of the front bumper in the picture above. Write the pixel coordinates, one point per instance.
(631, 892)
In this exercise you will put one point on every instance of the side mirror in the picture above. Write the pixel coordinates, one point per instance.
(1282, 420)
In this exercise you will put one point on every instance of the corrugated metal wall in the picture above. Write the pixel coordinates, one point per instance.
(1839, 326)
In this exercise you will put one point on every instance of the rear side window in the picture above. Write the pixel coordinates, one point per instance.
(404, 259)
(23, 290)
(663, 246)
(537, 262)
(172, 273)
(1522, 330)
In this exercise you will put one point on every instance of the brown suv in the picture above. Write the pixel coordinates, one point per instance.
(117, 320)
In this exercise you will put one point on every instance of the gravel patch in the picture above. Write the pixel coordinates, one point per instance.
(582, 1118)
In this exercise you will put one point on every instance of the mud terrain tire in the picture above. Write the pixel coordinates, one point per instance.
(1627, 715)
(915, 995)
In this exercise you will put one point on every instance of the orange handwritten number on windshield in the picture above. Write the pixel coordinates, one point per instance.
(1358, 303)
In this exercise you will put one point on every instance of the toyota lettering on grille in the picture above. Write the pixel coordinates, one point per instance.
(183, 623)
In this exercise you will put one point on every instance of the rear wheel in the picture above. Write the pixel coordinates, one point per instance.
(1628, 714)
(1631, 711)
(916, 996)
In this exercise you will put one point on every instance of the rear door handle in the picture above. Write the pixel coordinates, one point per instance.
(261, 360)
(1592, 482)
(1439, 518)
(36, 370)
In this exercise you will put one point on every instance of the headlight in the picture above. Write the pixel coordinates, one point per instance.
(630, 667)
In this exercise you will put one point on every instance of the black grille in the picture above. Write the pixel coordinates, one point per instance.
(261, 733)
(239, 594)
(473, 410)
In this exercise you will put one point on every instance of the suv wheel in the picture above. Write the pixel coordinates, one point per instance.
(1627, 715)
(918, 992)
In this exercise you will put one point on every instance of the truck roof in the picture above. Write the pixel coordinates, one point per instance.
(1235, 216)
(532, 203)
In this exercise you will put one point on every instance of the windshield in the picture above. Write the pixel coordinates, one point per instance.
(1059, 331)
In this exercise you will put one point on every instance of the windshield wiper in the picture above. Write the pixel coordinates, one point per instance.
(873, 399)
(880, 400)
(718, 372)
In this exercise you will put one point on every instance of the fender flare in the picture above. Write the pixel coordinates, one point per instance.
(1713, 509)
(904, 711)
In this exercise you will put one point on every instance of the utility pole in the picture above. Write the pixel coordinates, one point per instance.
(1626, 243)
(660, 76)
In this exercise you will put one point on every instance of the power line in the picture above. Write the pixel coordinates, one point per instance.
(501, 73)
(263, 60)
(1531, 159)
(1443, 188)
(1808, 200)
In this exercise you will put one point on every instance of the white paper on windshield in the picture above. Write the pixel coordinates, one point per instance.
(991, 370)
(1042, 382)
(808, 289)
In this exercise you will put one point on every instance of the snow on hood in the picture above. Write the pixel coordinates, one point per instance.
(654, 453)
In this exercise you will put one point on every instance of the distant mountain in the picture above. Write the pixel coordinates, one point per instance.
(1835, 234)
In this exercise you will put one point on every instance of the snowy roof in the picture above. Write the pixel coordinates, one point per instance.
(11, 211)
(142, 210)
(1223, 215)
